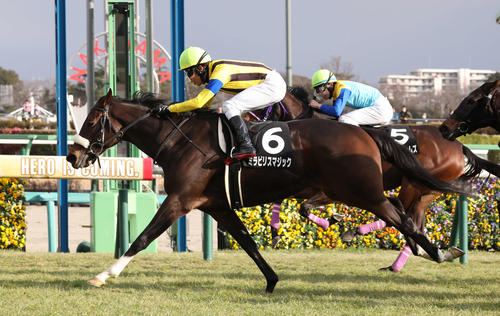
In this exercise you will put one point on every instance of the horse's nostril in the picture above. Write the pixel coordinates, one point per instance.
(71, 158)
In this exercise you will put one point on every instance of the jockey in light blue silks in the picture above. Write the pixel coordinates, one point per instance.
(369, 106)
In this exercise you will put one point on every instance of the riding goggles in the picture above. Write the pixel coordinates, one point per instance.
(189, 71)
(323, 87)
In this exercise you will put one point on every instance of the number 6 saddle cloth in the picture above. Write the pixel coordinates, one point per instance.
(272, 142)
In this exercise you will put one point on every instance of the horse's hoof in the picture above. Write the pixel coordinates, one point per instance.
(389, 268)
(336, 218)
(96, 282)
(453, 253)
(275, 241)
(349, 235)
(271, 284)
(439, 256)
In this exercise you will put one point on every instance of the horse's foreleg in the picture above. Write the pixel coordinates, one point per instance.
(417, 203)
(168, 212)
(231, 222)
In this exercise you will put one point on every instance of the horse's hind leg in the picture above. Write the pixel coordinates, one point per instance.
(168, 212)
(319, 199)
(231, 222)
(406, 226)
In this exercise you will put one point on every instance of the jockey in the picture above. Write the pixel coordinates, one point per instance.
(254, 86)
(370, 106)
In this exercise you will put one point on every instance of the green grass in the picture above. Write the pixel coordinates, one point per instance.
(312, 282)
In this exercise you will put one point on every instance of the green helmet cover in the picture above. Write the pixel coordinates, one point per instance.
(193, 56)
(321, 77)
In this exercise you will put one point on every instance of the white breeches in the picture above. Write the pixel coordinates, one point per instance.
(379, 113)
(268, 92)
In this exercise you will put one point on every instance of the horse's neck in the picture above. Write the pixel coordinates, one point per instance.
(154, 135)
(297, 110)
(143, 132)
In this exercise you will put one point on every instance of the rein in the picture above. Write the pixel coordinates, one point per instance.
(96, 148)
(269, 111)
(176, 128)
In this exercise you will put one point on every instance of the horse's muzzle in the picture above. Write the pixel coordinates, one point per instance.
(80, 160)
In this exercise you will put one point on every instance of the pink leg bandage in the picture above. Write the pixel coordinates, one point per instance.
(401, 260)
(275, 217)
(318, 221)
(365, 229)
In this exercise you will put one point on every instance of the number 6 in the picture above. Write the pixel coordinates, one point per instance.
(268, 137)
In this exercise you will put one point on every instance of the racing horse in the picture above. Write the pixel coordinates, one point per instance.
(481, 108)
(445, 160)
(186, 148)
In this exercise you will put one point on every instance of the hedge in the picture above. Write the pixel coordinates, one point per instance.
(297, 232)
(12, 214)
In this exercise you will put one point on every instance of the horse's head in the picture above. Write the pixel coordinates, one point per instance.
(479, 109)
(96, 135)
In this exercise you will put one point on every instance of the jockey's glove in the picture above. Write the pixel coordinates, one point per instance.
(163, 109)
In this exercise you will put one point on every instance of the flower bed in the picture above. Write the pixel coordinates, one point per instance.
(12, 214)
(297, 232)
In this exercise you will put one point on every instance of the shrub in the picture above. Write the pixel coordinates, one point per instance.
(12, 214)
(297, 232)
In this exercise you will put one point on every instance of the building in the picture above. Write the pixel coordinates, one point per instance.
(435, 81)
(6, 95)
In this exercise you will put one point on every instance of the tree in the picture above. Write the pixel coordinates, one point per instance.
(8, 77)
(343, 70)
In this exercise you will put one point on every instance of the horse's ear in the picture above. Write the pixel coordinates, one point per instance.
(108, 98)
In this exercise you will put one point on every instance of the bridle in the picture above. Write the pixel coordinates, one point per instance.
(466, 121)
(96, 148)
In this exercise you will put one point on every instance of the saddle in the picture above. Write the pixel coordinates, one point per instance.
(272, 142)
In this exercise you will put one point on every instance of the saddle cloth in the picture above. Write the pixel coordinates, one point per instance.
(403, 135)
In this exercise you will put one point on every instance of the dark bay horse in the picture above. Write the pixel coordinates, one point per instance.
(346, 166)
(481, 108)
(445, 160)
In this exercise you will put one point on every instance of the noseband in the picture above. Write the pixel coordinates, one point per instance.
(96, 148)
(466, 122)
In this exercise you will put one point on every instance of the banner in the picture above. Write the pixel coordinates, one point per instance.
(56, 167)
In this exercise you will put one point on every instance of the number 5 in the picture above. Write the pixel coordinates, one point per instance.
(399, 135)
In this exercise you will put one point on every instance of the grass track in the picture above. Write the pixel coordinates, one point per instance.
(312, 282)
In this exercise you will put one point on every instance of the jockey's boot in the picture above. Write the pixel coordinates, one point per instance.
(244, 147)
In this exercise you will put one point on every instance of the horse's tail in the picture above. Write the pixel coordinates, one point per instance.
(476, 164)
(408, 164)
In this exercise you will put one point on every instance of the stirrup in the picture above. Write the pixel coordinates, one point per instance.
(241, 155)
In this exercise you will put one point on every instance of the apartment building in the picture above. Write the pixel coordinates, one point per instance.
(434, 80)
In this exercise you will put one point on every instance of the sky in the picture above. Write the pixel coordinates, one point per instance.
(378, 38)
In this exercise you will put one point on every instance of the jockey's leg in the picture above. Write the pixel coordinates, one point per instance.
(244, 146)
(270, 91)
(378, 113)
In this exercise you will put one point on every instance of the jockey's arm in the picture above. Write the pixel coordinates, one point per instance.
(203, 99)
(338, 105)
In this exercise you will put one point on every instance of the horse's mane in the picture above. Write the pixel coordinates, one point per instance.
(147, 99)
(300, 93)
(304, 96)
(152, 101)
